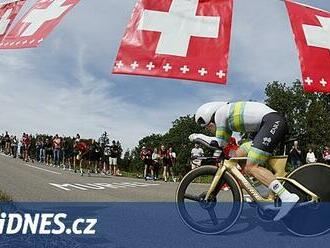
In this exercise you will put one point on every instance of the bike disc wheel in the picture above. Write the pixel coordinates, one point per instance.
(220, 212)
(312, 219)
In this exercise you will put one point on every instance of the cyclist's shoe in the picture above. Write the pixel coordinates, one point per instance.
(286, 207)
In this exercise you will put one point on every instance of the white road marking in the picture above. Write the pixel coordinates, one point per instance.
(57, 173)
(100, 186)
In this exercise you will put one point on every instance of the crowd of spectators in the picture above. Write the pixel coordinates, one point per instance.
(101, 156)
(158, 159)
(69, 153)
(296, 155)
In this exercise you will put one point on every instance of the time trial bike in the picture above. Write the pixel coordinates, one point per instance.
(208, 209)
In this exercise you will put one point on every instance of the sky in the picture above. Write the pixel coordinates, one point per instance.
(65, 85)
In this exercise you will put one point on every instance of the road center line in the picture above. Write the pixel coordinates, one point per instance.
(57, 173)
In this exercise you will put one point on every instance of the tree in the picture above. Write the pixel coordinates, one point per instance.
(127, 159)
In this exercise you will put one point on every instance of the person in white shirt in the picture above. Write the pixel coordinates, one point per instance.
(172, 163)
(310, 157)
(196, 152)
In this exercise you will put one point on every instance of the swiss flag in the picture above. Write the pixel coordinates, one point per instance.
(37, 23)
(311, 28)
(184, 39)
(8, 12)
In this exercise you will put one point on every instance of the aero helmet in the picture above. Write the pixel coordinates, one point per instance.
(206, 112)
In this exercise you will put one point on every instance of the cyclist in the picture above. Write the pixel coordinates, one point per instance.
(269, 127)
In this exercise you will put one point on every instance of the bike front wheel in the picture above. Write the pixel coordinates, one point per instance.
(223, 207)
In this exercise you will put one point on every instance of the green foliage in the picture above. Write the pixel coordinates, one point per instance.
(4, 197)
(127, 161)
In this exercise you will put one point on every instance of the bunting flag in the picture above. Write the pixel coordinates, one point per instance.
(37, 23)
(184, 39)
(8, 12)
(311, 28)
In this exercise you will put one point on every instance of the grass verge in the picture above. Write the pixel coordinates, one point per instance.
(4, 197)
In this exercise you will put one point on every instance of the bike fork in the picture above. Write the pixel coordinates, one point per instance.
(215, 181)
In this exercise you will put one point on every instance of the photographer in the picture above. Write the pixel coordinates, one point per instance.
(196, 152)
(295, 155)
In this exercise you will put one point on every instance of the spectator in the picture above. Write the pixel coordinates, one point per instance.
(3, 143)
(196, 153)
(165, 160)
(295, 155)
(7, 143)
(68, 152)
(310, 157)
(20, 149)
(38, 148)
(94, 155)
(75, 151)
(146, 157)
(326, 155)
(48, 151)
(155, 163)
(32, 148)
(62, 152)
(83, 149)
(114, 152)
(106, 157)
(56, 150)
(171, 164)
(14, 145)
(11, 145)
(42, 151)
(118, 157)
(26, 147)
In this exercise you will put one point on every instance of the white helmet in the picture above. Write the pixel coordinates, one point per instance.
(206, 112)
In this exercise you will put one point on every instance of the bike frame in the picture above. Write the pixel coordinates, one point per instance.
(231, 167)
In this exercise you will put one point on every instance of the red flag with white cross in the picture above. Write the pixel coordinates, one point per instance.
(311, 28)
(37, 23)
(184, 39)
(8, 12)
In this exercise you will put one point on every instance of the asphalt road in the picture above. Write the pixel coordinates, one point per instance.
(40, 183)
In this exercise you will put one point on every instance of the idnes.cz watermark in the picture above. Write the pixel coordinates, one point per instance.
(45, 224)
